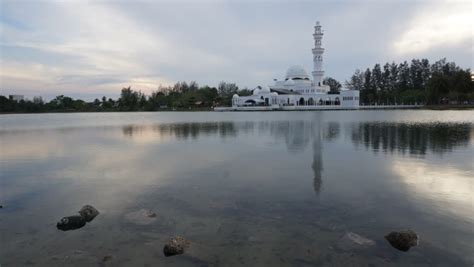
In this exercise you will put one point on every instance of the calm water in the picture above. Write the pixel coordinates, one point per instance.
(247, 189)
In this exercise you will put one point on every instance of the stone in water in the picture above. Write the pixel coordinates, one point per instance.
(71, 223)
(402, 240)
(88, 212)
(175, 246)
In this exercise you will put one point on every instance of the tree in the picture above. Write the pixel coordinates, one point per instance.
(385, 83)
(356, 81)
(415, 74)
(208, 95)
(438, 86)
(128, 100)
(97, 102)
(334, 85)
(193, 86)
(226, 91)
(393, 81)
(417, 82)
(376, 78)
(245, 92)
(403, 77)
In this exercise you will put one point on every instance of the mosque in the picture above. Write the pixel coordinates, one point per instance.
(298, 91)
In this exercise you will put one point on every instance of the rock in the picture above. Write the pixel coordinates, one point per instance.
(352, 241)
(106, 258)
(88, 212)
(402, 240)
(150, 214)
(175, 246)
(71, 223)
(141, 217)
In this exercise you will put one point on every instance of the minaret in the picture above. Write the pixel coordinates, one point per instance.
(318, 51)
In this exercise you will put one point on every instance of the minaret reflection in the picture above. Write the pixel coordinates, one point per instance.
(298, 135)
(317, 164)
(301, 135)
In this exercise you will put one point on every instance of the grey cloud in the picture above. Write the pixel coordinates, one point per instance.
(246, 42)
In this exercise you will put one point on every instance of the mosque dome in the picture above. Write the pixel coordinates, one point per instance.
(289, 82)
(256, 91)
(296, 73)
(265, 90)
(235, 96)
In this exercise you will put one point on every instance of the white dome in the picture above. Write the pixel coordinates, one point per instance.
(296, 72)
(256, 91)
(265, 90)
(235, 96)
(289, 82)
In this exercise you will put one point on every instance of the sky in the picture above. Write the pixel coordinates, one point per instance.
(87, 49)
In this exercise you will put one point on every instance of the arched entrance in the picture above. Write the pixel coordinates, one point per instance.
(321, 102)
(337, 102)
(301, 101)
(310, 101)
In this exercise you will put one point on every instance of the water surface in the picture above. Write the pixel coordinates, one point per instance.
(247, 189)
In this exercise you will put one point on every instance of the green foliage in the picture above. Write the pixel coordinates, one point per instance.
(180, 96)
(334, 85)
(404, 83)
(415, 82)
(226, 91)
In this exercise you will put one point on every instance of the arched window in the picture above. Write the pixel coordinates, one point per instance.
(337, 102)
(310, 101)
(321, 102)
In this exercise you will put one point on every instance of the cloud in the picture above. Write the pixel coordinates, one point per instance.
(446, 23)
(77, 48)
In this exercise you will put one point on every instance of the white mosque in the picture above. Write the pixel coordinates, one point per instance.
(298, 91)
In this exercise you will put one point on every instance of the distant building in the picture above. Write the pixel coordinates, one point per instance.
(298, 91)
(16, 98)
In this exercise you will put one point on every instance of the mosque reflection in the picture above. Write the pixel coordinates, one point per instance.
(298, 136)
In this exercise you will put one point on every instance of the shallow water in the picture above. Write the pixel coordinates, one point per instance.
(246, 189)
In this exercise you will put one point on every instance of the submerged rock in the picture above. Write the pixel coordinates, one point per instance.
(71, 223)
(402, 240)
(141, 217)
(352, 241)
(106, 258)
(150, 214)
(175, 246)
(88, 212)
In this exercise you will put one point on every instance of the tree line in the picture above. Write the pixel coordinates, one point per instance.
(180, 96)
(416, 82)
(404, 83)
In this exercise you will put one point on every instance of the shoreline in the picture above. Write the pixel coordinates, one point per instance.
(426, 107)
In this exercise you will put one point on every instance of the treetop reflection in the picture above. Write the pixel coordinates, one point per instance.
(415, 139)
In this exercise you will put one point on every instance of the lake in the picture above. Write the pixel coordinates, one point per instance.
(246, 189)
